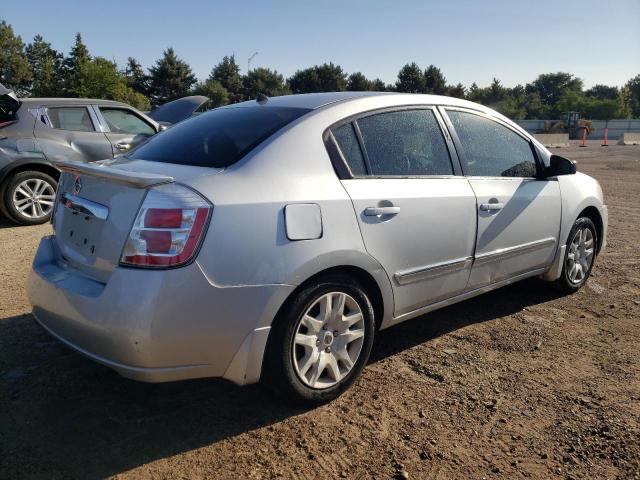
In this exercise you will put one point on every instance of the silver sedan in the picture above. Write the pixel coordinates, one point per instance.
(272, 239)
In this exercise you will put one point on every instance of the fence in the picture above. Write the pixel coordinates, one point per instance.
(616, 127)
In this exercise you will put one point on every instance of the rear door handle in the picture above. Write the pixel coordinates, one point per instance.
(123, 146)
(379, 211)
(491, 207)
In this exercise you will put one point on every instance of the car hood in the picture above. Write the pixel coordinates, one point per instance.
(178, 110)
(8, 99)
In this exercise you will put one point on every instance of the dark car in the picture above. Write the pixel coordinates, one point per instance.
(37, 132)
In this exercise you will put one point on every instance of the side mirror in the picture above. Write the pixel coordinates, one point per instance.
(560, 166)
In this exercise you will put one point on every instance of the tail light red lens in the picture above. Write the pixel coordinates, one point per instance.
(6, 124)
(168, 229)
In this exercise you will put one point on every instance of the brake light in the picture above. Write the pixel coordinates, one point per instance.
(6, 124)
(168, 228)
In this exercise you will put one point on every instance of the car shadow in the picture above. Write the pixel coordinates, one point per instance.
(5, 222)
(65, 416)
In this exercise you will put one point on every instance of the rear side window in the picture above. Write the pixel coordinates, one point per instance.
(120, 120)
(217, 138)
(70, 118)
(348, 143)
(491, 149)
(405, 143)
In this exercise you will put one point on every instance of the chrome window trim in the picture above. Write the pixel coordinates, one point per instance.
(428, 272)
(504, 253)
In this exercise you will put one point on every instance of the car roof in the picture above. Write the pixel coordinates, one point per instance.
(314, 101)
(71, 102)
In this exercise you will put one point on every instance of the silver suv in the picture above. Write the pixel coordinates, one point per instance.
(272, 239)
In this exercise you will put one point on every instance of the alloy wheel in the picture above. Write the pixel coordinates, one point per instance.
(328, 340)
(580, 256)
(33, 198)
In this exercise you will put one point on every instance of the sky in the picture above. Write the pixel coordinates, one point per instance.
(469, 40)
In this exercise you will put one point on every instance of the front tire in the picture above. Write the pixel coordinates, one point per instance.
(28, 197)
(320, 341)
(579, 256)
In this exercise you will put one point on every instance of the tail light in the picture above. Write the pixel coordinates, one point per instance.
(168, 228)
(6, 124)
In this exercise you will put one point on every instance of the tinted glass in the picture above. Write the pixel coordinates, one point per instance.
(490, 149)
(408, 142)
(350, 148)
(125, 121)
(217, 138)
(70, 118)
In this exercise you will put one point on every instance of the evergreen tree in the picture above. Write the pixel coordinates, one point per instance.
(263, 80)
(434, 81)
(379, 86)
(46, 66)
(457, 91)
(633, 90)
(135, 77)
(357, 82)
(227, 73)
(411, 79)
(319, 78)
(170, 78)
(74, 69)
(495, 93)
(475, 94)
(15, 72)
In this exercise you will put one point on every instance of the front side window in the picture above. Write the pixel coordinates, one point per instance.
(491, 149)
(405, 143)
(217, 138)
(120, 120)
(70, 118)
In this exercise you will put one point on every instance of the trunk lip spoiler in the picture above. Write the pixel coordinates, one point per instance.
(115, 175)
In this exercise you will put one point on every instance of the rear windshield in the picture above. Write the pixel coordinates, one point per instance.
(217, 138)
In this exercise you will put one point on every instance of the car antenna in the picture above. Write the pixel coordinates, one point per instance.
(261, 98)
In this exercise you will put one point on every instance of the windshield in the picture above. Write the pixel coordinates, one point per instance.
(217, 138)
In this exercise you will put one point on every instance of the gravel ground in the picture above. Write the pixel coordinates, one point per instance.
(521, 382)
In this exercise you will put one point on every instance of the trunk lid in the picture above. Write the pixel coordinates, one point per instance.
(96, 205)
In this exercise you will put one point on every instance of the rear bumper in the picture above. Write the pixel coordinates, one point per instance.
(155, 325)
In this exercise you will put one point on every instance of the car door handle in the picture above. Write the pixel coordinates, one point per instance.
(379, 211)
(491, 207)
(123, 146)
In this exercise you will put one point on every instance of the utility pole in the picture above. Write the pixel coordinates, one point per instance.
(249, 61)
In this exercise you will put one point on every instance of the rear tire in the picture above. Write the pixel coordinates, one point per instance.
(28, 197)
(313, 357)
(579, 256)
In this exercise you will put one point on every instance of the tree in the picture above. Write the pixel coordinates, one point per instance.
(379, 86)
(457, 91)
(46, 67)
(135, 77)
(74, 66)
(633, 89)
(357, 82)
(101, 79)
(624, 103)
(411, 79)
(227, 73)
(15, 72)
(319, 78)
(434, 81)
(603, 92)
(476, 94)
(218, 95)
(263, 80)
(495, 93)
(170, 78)
(552, 86)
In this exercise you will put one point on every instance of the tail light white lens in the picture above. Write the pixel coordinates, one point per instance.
(168, 228)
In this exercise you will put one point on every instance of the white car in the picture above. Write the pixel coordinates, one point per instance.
(271, 239)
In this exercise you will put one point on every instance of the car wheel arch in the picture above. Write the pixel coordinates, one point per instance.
(592, 213)
(24, 166)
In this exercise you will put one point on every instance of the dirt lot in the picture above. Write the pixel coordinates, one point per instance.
(521, 382)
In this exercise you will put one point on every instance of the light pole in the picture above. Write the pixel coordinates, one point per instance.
(249, 61)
